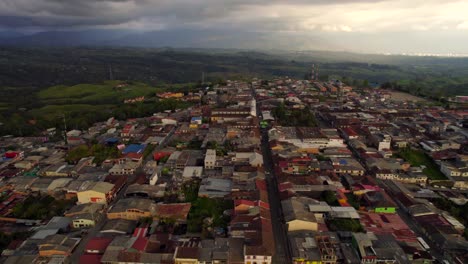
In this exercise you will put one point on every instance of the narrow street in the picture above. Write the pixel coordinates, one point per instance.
(282, 254)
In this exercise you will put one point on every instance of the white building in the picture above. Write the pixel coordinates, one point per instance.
(210, 159)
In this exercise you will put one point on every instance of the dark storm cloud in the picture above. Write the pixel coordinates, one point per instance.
(78, 13)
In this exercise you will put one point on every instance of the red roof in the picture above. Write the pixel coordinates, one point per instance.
(140, 232)
(133, 155)
(263, 204)
(98, 244)
(11, 154)
(285, 186)
(140, 243)
(178, 211)
(261, 185)
(90, 259)
(350, 132)
(158, 155)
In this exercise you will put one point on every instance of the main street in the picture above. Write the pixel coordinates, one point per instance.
(282, 254)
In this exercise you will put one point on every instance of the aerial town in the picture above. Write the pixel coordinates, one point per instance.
(253, 172)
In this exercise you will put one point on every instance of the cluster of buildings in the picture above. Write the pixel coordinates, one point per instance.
(350, 192)
(149, 200)
(359, 185)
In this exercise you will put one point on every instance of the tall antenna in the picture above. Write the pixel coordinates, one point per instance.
(312, 73)
(203, 77)
(65, 129)
(111, 76)
(316, 73)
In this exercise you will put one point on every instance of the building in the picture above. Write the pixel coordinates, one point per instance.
(215, 188)
(57, 245)
(210, 159)
(176, 211)
(98, 192)
(85, 215)
(297, 215)
(131, 209)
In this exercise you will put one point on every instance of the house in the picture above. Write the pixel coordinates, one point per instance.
(145, 191)
(379, 201)
(214, 188)
(85, 215)
(347, 166)
(61, 169)
(118, 227)
(210, 159)
(253, 158)
(297, 215)
(455, 168)
(187, 255)
(125, 167)
(97, 192)
(192, 172)
(131, 209)
(134, 148)
(311, 247)
(57, 245)
(97, 245)
(57, 224)
(176, 211)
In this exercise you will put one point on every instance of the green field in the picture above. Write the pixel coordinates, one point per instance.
(54, 111)
(4, 106)
(87, 93)
(418, 158)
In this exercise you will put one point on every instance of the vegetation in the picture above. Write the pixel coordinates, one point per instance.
(460, 212)
(75, 81)
(99, 151)
(6, 239)
(77, 116)
(41, 207)
(418, 158)
(294, 117)
(351, 225)
(330, 198)
(190, 190)
(112, 92)
(353, 200)
(148, 150)
(221, 150)
(204, 208)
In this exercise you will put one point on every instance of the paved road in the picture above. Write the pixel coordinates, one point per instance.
(282, 254)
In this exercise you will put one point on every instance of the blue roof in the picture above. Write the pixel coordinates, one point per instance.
(196, 118)
(343, 162)
(112, 140)
(134, 148)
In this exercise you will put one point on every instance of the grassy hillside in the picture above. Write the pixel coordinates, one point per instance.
(29, 111)
(87, 93)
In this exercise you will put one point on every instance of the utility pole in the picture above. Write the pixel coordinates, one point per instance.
(203, 78)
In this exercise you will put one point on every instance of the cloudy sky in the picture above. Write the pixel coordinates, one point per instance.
(397, 26)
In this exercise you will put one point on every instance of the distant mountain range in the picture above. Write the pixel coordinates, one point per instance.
(155, 39)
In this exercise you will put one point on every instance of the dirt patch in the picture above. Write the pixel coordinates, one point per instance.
(402, 97)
